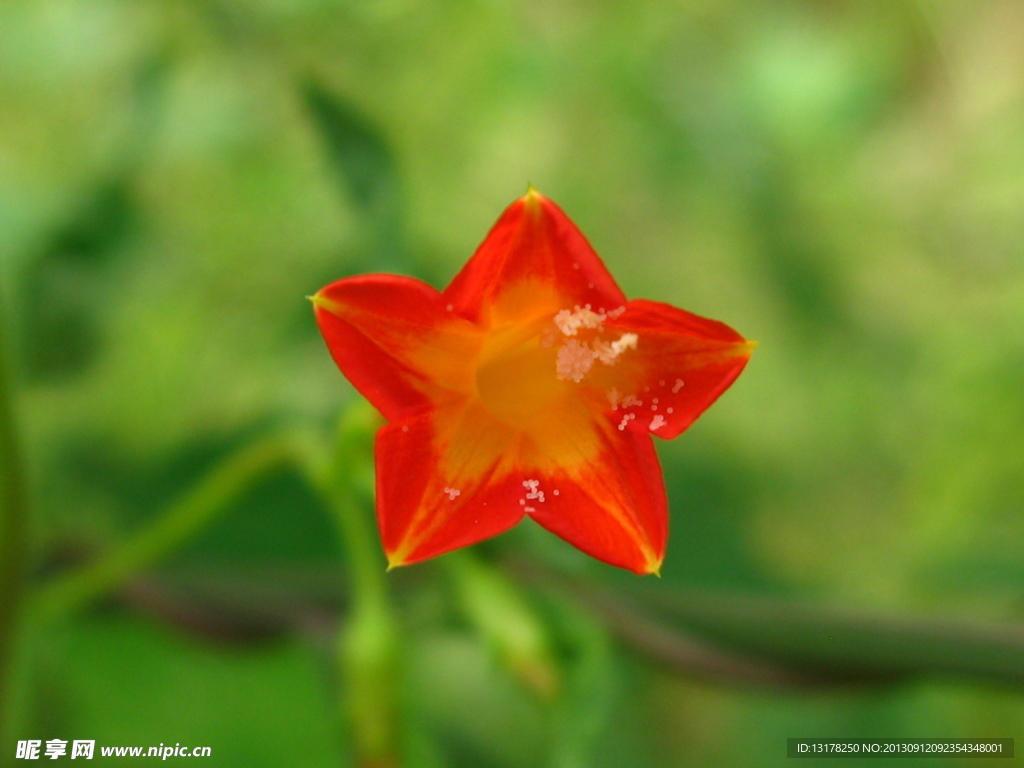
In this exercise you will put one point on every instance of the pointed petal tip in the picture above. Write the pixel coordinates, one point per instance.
(648, 564)
(323, 303)
(318, 300)
(745, 349)
(653, 566)
(533, 199)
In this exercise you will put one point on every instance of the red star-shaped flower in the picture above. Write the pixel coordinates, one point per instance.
(529, 387)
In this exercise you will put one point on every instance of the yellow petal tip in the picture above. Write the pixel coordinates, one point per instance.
(654, 566)
(395, 560)
(532, 198)
(319, 301)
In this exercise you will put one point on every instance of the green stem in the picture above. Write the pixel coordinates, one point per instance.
(368, 640)
(351, 488)
(14, 514)
(183, 519)
(582, 712)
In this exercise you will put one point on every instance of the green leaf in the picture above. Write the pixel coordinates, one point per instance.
(504, 618)
(199, 693)
(364, 165)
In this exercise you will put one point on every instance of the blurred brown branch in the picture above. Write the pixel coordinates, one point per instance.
(771, 642)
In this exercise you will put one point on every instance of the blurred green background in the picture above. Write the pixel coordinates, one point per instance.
(843, 181)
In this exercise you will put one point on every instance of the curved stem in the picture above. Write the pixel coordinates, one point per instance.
(183, 519)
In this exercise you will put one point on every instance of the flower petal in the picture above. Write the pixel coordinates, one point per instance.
(681, 364)
(443, 482)
(534, 260)
(612, 507)
(396, 341)
(529, 387)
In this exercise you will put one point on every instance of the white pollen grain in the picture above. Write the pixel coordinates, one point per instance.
(573, 361)
(570, 321)
(575, 358)
(625, 341)
(452, 493)
(450, 307)
(670, 410)
(533, 492)
(677, 386)
(554, 492)
(614, 398)
(657, 422)
(609, 353)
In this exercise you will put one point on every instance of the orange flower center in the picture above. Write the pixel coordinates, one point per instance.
(515, 375)
(525, 369)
